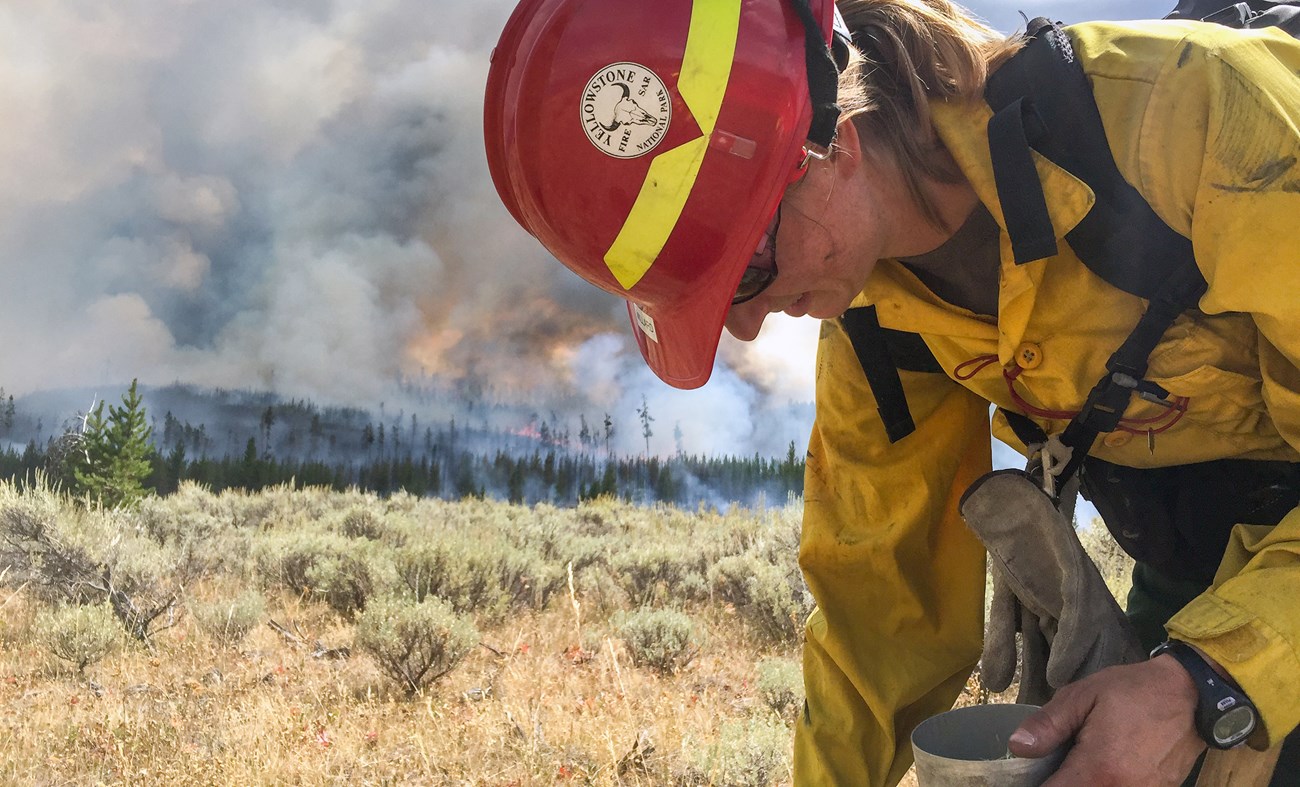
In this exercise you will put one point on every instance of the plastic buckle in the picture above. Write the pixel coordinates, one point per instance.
(1106, 404)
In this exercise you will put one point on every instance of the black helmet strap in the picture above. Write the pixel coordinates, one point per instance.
(824, 64)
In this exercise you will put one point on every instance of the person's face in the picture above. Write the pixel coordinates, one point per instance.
(831, 233)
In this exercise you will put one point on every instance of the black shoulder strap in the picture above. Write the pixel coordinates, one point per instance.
(882, 352)
(1126, 369)
(1042, 100)
(1025, 429)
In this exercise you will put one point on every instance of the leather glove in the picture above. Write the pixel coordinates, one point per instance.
(1044, 586)
(1007, 617)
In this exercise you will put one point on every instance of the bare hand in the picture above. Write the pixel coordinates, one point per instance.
(1131, 725)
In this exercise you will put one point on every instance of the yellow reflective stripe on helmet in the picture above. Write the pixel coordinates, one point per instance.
(706, 65)
(652, 218)
(706, 70)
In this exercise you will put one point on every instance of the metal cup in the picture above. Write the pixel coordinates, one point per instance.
(967, 747)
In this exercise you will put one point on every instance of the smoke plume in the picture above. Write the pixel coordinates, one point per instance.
(292, 196)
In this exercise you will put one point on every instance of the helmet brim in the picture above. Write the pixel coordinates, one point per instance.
(680, 340)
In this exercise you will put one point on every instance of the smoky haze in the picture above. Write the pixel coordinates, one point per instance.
(292, 196)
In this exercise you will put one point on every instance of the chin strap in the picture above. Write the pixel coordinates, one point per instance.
(824, 64)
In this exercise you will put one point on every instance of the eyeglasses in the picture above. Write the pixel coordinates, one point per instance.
(762, 270)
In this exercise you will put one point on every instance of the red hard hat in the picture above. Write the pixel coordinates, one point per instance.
(647, 143)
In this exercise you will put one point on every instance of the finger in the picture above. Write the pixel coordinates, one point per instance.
(1072, 773)
(1052, 726)
(1071, 646)
(1034, 688)
(998, 663)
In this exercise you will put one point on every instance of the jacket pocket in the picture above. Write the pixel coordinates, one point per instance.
(1218, 399)
(1213, 360)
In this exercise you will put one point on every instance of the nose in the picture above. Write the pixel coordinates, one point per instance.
(744, 320)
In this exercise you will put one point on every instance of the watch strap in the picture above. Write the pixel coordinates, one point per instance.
(1216, 695)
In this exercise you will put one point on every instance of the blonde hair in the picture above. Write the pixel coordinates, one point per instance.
(906, 54)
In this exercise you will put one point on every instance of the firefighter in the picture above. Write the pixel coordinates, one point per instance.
(716, 161)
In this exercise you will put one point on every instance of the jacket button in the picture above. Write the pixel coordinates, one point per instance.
(1117, 439)
(1029, 356)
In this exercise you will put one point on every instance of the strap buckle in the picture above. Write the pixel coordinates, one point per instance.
(1050, 460)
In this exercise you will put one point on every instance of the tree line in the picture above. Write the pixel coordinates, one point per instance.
(113, 455)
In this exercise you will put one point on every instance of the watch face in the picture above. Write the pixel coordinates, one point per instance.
(1234, 726)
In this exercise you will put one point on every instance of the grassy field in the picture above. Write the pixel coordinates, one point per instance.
(560, 686)
(614, 645)
(539, 712)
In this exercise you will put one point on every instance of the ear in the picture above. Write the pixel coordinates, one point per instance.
(847, 147)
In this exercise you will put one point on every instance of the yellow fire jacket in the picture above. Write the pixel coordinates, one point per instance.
(1205, 123)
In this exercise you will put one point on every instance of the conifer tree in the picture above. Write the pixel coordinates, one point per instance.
(7, 411)
(175, 468)
(644, 413)
(515, 482)
(268, 421)
(114, 460)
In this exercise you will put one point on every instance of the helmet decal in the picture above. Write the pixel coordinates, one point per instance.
(626, 110)
(645, 322)
(706, 71)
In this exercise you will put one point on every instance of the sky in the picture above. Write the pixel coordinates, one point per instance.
(292, 195)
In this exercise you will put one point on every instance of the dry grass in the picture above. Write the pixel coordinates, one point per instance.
(529, 707)
(550, 697)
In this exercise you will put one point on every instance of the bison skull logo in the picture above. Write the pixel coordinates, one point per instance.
(626, 109)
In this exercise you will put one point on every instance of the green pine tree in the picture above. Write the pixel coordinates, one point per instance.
(114, 460)
(644, 413)
(7, 412)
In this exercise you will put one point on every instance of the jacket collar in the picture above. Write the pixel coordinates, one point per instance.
(905, 304)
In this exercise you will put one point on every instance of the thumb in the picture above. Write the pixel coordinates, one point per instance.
(1053, 725)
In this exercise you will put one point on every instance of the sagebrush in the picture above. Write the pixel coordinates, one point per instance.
(320, 637)
(415, 642)
(80, 634)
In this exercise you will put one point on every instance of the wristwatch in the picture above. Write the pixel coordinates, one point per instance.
(1224, 715)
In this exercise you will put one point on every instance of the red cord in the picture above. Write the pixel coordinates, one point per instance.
(1178, 406)
(982, 360)
(1174, 413)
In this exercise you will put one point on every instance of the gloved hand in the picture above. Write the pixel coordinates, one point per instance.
(1046, 587)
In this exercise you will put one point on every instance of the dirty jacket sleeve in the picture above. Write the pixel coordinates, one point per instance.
(898, 578)
(1226, 112)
